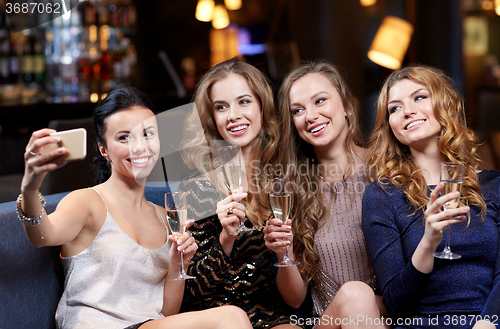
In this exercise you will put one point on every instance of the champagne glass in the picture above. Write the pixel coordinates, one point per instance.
(280, 196)
(175, 204)
(229, 157)
(452, 175)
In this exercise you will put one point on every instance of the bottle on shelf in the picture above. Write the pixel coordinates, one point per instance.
(114, 13)
(40, 74)
(14, 61)
(102, 12)
(4, 57)
(90, 13)
(86, 52)
(28, 60)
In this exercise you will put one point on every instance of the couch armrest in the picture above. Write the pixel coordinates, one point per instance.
(31, 279)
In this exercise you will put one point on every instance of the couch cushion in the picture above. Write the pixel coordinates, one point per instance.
(31, 279)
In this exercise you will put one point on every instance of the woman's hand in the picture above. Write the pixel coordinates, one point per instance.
(230, 222)
(186, 244)
(437, 220)
(278, 236)
(38, 165)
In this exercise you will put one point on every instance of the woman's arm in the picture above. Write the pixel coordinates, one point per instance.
(403, 281)
(403, 286)
(491, 309)
(71, 214)
(289, 281)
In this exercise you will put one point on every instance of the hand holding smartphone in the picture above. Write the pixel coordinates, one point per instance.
(75, 142)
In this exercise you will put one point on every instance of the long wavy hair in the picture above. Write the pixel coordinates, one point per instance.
(310, 208)
(199, 142)
(393, 160)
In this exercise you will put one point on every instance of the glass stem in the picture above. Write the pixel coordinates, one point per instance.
(448, 236)
(181, 263)
(285, 258)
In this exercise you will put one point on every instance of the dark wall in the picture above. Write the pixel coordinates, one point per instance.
(338, 30)
(169, 26)
(437, 40)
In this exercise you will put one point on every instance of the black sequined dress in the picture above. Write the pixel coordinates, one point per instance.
(244, 278)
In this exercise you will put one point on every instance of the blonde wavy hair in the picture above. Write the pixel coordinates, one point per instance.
(310, 208)
(198, 143)
(393, 160)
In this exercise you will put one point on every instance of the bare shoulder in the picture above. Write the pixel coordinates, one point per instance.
(160, 209)
(84, 201)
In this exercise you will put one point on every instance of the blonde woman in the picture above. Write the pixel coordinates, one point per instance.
(320, 137)
(234, 103)
(420, 124)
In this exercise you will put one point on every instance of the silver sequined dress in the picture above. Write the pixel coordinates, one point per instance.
(340, 244)
(113, 283)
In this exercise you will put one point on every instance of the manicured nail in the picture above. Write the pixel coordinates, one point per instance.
(61, 150)
(56, 139)
(180, 248)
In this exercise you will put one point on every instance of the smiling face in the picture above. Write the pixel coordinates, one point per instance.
(132, 144)
(411, 115)
(236, 110)
(318, 112)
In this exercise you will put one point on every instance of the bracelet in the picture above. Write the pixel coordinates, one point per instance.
(30, 221)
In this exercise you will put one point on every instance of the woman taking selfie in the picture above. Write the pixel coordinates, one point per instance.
(115, 247)
(420, 125)
(320, 137)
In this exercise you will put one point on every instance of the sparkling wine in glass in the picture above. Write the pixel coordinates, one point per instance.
(280, 197)
(175, 205)
(452, 175)
(231, 174)
(229, 157)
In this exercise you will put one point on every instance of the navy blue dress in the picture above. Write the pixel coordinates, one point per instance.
(456, 293)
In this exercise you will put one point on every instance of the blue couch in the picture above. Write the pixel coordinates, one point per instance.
(31, 279)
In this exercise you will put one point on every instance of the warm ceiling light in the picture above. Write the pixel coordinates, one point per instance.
(221, 18)
(367, 3)
(488, 5)
(204, 10)
(233, 4)
(497, 7)
(391, 42)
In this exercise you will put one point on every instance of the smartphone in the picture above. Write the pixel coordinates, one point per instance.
(75, 142)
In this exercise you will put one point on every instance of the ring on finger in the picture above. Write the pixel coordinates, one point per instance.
(229, 211)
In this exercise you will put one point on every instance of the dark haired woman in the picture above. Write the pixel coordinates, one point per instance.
(420, 124)
(114, 244)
